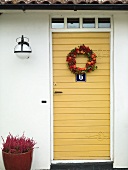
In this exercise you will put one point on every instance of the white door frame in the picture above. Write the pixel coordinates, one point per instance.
(96, 29)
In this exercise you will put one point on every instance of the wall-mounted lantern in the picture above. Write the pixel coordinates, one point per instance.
(22, 49)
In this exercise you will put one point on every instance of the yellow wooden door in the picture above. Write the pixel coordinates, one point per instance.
(82, 110)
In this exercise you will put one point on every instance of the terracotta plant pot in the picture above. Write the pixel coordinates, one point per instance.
(20, 161)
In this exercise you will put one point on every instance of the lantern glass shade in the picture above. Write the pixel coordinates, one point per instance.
(22, 49)
(23, 55)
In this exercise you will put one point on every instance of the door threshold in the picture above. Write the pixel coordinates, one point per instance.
(78, 161)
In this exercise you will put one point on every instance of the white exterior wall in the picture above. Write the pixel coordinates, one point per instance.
(121, 90)
(25, 83)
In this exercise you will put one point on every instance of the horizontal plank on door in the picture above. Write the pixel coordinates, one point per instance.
(68, 73)
(82, 129)
(79, 98)
(71, 47)
(82, 104)
(85, 91)
(83, 58)
(69, 142)
(78, 40)
(81, 154)
(81, 148)
(81, 123)
(98, 52)
(79, 116)
(100, 60)
(89, 79)
(85, 135)
(57, 157)
(90, 110)
(64, 54)
(80, 34)
(103, 66)
(82, 85)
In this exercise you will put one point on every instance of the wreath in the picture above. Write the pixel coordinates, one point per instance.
(87, 52)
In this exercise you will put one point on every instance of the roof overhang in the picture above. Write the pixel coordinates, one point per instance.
(74, 7)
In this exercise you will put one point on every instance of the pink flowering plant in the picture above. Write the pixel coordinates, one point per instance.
(17, 144)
